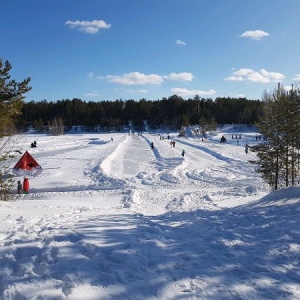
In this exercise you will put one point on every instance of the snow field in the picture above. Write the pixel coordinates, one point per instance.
(117, 220)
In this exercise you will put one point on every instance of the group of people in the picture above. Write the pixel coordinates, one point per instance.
(23, 188)
(236, 136)
(172, 144)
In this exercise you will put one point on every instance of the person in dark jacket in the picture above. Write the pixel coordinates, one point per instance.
(20, 188)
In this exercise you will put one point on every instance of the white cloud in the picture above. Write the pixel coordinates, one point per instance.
(287, 87)
(184, 76)
(273, 76)
(179, 42)
(185, 92)
(91, 75)
(234, 78)
(297, 77)
(262, 76)
(137, 91)
(89, 26)
(255, 34)
(242, 72)
(92, 94)
(136, 78)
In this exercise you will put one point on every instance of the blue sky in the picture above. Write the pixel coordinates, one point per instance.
(133, 49)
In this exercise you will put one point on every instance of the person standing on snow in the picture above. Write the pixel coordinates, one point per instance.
(246, 148)
(25, 185)
(182, 153)
(20, 189)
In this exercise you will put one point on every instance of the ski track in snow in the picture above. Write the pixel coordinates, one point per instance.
(128, 222)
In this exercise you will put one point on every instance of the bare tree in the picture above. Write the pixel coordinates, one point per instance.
(56, 126)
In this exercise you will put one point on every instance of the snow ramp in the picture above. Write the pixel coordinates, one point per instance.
(189, 132)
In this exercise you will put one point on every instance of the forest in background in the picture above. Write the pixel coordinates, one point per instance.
(172, 113)
(276, 116)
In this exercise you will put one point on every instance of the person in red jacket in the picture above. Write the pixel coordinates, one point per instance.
(25, 185)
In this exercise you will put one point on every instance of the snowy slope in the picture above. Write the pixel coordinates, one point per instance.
(117, 220)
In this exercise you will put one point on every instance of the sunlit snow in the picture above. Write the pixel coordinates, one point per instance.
(113, 219)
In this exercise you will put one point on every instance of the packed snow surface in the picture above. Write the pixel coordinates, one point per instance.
(110, 218)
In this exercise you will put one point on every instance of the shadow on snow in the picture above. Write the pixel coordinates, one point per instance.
(206, 254)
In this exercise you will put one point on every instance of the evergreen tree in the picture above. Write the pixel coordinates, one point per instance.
(11, 100)
(11, 97)
(278, 155)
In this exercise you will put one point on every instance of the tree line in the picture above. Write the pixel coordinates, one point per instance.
(277, 117)
(172, 112)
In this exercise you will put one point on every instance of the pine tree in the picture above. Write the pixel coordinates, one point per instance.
(278, 156)
(11, 97)
(11, 100)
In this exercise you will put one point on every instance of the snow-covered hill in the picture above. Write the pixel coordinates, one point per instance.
(113, 219)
